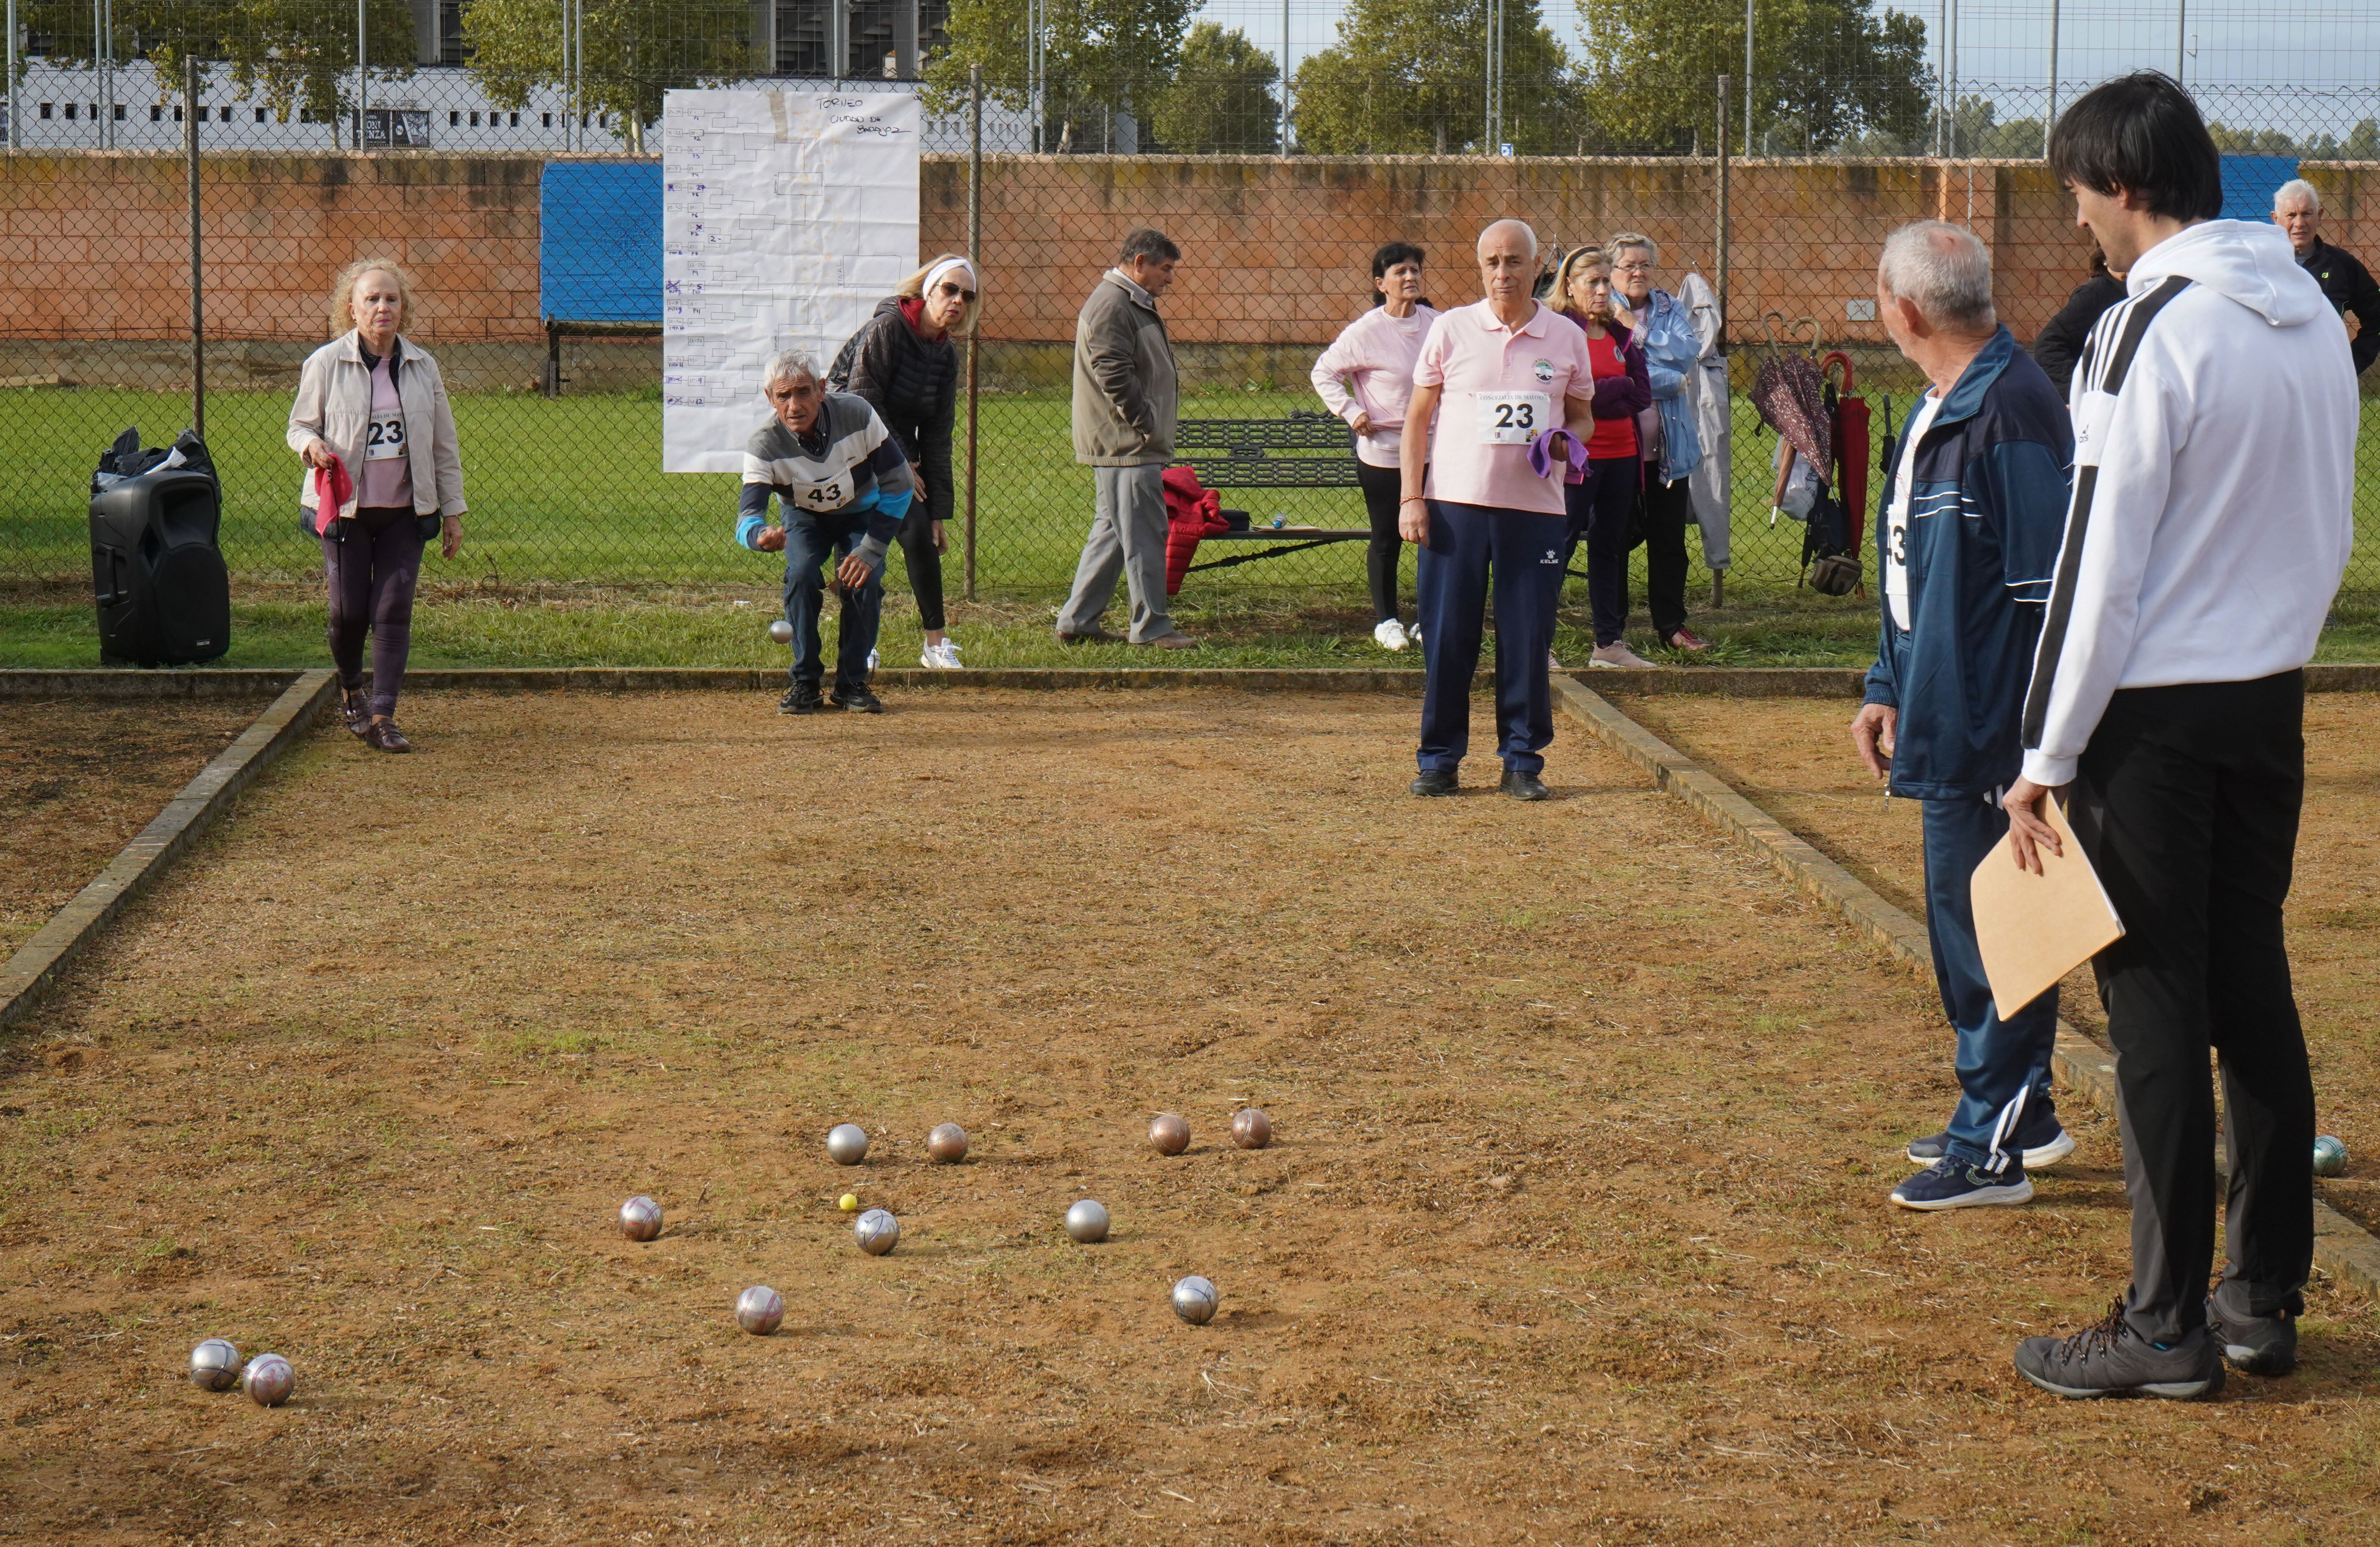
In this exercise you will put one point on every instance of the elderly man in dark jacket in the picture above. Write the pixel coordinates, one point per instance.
(1127, 398)
(1973, 513)
(2345, 283)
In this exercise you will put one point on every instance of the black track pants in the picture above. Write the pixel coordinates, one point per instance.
(2186, 800)
(925, 566)
(1381, 488)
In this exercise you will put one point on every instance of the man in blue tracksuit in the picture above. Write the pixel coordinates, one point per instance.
(1968, 530)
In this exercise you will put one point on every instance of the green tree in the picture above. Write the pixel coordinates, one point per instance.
(634, 50)
(292, 55)
(1408, 78)
(1221, 97)
(1823, 72)
(1105, 60)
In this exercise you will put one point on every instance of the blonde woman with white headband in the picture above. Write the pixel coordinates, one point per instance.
(904, 363)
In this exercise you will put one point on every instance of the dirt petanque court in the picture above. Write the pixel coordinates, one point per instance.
(1573, 1230)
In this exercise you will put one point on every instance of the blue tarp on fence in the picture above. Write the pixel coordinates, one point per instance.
(599, 241)
(2249, 182)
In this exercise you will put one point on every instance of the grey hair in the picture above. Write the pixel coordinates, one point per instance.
(2296, 191)
(786, 365)
(1944, 269)
(1627, 239)
(1526, 229)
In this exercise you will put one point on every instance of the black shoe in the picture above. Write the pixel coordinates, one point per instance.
(2255, 1345)
(802, 697)
(1436, 781)
(859, 700)
(355, 707)
(1523, 787)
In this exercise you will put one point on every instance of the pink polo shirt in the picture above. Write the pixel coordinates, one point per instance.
(1492, 376)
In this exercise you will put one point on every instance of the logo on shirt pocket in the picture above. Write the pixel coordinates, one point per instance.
(1543, 370)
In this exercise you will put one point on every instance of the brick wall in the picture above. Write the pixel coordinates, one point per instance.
(95, 247)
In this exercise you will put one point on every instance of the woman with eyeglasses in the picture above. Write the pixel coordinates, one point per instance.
(905, 364)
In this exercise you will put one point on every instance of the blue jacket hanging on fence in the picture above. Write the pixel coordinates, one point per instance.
(1986, 514)
(1672, 349)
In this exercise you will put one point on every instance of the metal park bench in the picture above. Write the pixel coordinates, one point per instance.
(1307, 450)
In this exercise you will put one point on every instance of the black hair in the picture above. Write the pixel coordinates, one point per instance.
(1388, 257)
(1151, 243)
(2140, 133)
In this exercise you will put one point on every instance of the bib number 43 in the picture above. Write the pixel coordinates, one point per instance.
(831, 495)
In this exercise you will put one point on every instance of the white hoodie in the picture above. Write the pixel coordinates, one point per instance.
(2213, 489)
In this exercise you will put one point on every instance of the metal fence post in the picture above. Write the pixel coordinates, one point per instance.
(12, 77)
(1719, 263)
(1747, 77)
(198, 305)
(363, 84)
(975, 261)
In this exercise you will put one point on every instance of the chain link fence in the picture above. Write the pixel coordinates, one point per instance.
(491, 195)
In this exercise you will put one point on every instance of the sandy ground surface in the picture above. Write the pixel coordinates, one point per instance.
(1793, 756)
(79, 779)
(1574, 1230)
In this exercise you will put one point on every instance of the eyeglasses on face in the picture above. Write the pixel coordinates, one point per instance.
(947, 289)
(1639, 266)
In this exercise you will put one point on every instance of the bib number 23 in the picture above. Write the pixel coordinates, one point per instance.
(1512, 418)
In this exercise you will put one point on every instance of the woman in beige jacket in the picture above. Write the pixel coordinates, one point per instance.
(373, 427)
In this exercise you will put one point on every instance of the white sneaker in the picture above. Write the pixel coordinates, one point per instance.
(1414, 634)
(940, 657)
(1390, 634)
(871, 659)
(1617, 653)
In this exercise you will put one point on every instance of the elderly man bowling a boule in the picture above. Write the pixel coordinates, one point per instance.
(843, 489)
(1502, 410)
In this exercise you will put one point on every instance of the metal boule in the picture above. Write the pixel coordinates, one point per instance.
(846, 1143)
(214, 1365)
(781, 631)
(877, 1232)
(2330, 1155)
(759, 1309)
(1251, 1130)
(1194, 1300)
(1170, 1134)
(1087, 1221)
(641, 1219)
(947, 1143)
(269, 1380)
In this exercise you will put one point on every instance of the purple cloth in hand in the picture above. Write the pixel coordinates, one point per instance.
(1542, 456)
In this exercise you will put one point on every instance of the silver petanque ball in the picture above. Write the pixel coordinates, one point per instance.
(641, 1219)
(877, 1232)
(846, 1143)
(781, 631)
(947, 1143)
(1169, 1134)
(1087, 1221)
(214, 1365)
(1251, 1130)
(269, 1380)
(2329, 1156)
(1194, 1300)
(759, 1309)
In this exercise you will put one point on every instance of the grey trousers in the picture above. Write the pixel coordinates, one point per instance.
(1128, 539)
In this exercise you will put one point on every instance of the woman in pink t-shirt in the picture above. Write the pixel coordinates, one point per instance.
(1376, 355)
(1600, 506)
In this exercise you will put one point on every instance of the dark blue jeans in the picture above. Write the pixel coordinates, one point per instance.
(813, 540)
(2003, 1065)
(1452, 577)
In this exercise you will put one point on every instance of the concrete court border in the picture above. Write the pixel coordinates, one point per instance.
(1758, 682)
(35, 967)
(2341, 1248)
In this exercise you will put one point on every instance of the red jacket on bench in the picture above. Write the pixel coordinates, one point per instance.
(1190, 513)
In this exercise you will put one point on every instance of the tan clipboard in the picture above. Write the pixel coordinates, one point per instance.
(2032, 929)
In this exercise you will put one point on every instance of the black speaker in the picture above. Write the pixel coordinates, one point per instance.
(159, 581)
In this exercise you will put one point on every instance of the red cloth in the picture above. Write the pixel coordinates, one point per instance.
(335, 495)
(913, 309)
(1613, 437)
(1851, 462)
(1190, 513)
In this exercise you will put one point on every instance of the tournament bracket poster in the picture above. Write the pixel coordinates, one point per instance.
(785, 217)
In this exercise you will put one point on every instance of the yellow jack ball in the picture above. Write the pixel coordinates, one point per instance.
(850, 1203)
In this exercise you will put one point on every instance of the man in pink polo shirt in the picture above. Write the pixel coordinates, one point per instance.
(1494, 378)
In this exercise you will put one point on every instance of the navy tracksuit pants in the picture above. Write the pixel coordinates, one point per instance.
(1523, 551)
(2003, 1065)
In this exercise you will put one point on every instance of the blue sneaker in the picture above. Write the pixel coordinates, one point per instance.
(1950, 1184)
(2045, 1139)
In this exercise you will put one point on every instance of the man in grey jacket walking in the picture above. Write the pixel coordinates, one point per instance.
(1127, 397)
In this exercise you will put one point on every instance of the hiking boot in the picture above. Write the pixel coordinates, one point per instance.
(1951, 1183)
(859, 700)
(2043, 1139)
(1435, 781)
(802, 697)
(2255, 1345)
(2111, 1359)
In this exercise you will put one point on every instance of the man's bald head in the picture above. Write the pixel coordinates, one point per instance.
(1508, 269)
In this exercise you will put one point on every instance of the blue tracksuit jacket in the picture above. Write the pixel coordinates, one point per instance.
(1998, 454)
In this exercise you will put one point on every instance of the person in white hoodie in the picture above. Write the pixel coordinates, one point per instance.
(1374, 354)
(2215, 420)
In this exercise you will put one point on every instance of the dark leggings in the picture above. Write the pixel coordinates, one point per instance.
(373, 570)
(925, 567)
(1382, 489)
(1668, 508)
(1600, 510)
